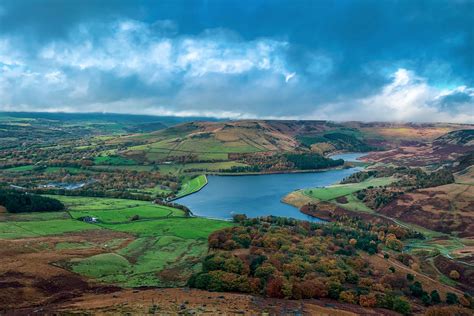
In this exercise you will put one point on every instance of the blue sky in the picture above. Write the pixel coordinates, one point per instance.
(339, 60)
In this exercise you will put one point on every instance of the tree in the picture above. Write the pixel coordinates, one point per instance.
(401, 305)
(20, 202)
(348, 297)
(416, 289)
(451, 298)
(334, 288)
(309, 289)
(274, 288)
(265, 271)
(369, 300)
(454, 275)
(426, 299)
(392, 242)
(435, 298)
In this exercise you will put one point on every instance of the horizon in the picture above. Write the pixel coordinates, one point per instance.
(212, 119)
(402, 61)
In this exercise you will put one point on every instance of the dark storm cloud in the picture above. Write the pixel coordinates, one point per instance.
(241, 58)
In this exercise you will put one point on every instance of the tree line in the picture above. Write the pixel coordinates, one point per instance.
(22, 202)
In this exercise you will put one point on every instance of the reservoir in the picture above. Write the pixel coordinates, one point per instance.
(348, 156)
(258, 195)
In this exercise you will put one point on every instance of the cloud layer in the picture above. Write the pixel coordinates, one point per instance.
(134, 63)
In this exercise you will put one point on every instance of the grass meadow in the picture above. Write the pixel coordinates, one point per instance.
(165, 248)
(334, 191)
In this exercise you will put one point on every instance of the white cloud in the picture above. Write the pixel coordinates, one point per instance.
(136, 48)
(406, 98)
(289, 76)
(133, 67)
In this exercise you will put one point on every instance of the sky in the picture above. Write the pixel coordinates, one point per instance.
(364, 60)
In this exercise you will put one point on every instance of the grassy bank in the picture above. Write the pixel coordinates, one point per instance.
(192, 186)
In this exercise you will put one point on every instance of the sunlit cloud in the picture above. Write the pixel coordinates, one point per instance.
(407, 97)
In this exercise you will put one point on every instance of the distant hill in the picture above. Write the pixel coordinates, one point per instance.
(122, 123)
(463, 137)
(213, 141)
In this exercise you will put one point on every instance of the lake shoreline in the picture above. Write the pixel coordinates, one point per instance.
(348, 164)
(264, 173)
(230, 194)
(192, 192)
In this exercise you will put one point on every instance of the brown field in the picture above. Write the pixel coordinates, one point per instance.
(419, 155)
(297, 199)
(467, 251)
(448, 209)
(190, 301)
(411, 133)
(465, 176)
(30, 271)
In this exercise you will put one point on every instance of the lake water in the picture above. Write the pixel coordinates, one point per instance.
(352, 157)
(258, 195)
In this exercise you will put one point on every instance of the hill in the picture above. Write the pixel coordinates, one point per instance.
(231, 140)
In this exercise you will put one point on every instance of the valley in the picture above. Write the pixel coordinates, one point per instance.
(146, 214)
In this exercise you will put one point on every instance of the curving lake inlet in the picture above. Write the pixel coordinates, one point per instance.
(260, 195)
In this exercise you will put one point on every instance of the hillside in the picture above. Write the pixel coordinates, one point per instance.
(220, 141)
(211, 141)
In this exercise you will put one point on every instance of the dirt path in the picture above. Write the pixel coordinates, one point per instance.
(420, 275)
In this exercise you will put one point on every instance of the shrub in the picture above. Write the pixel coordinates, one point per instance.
(348, 297)
(426, 299)
(274, 288)
(369, 300)
(451, 298)
(402, 306)
(454, 275)
(435, 298)
(416, 289)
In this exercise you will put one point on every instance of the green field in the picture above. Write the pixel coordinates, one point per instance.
(26, 217)
(189, 228)
(108, 210)
(42, 228)
(201, 166)
(354, 204)
(81, 203)
(20, 168)
(125, 215)
(166, 249)
(161, 245)
(192, 186)
(173, 244)
(70, 170)
(113, 160)
(338, 190)
(126, 167)
(182, 146)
